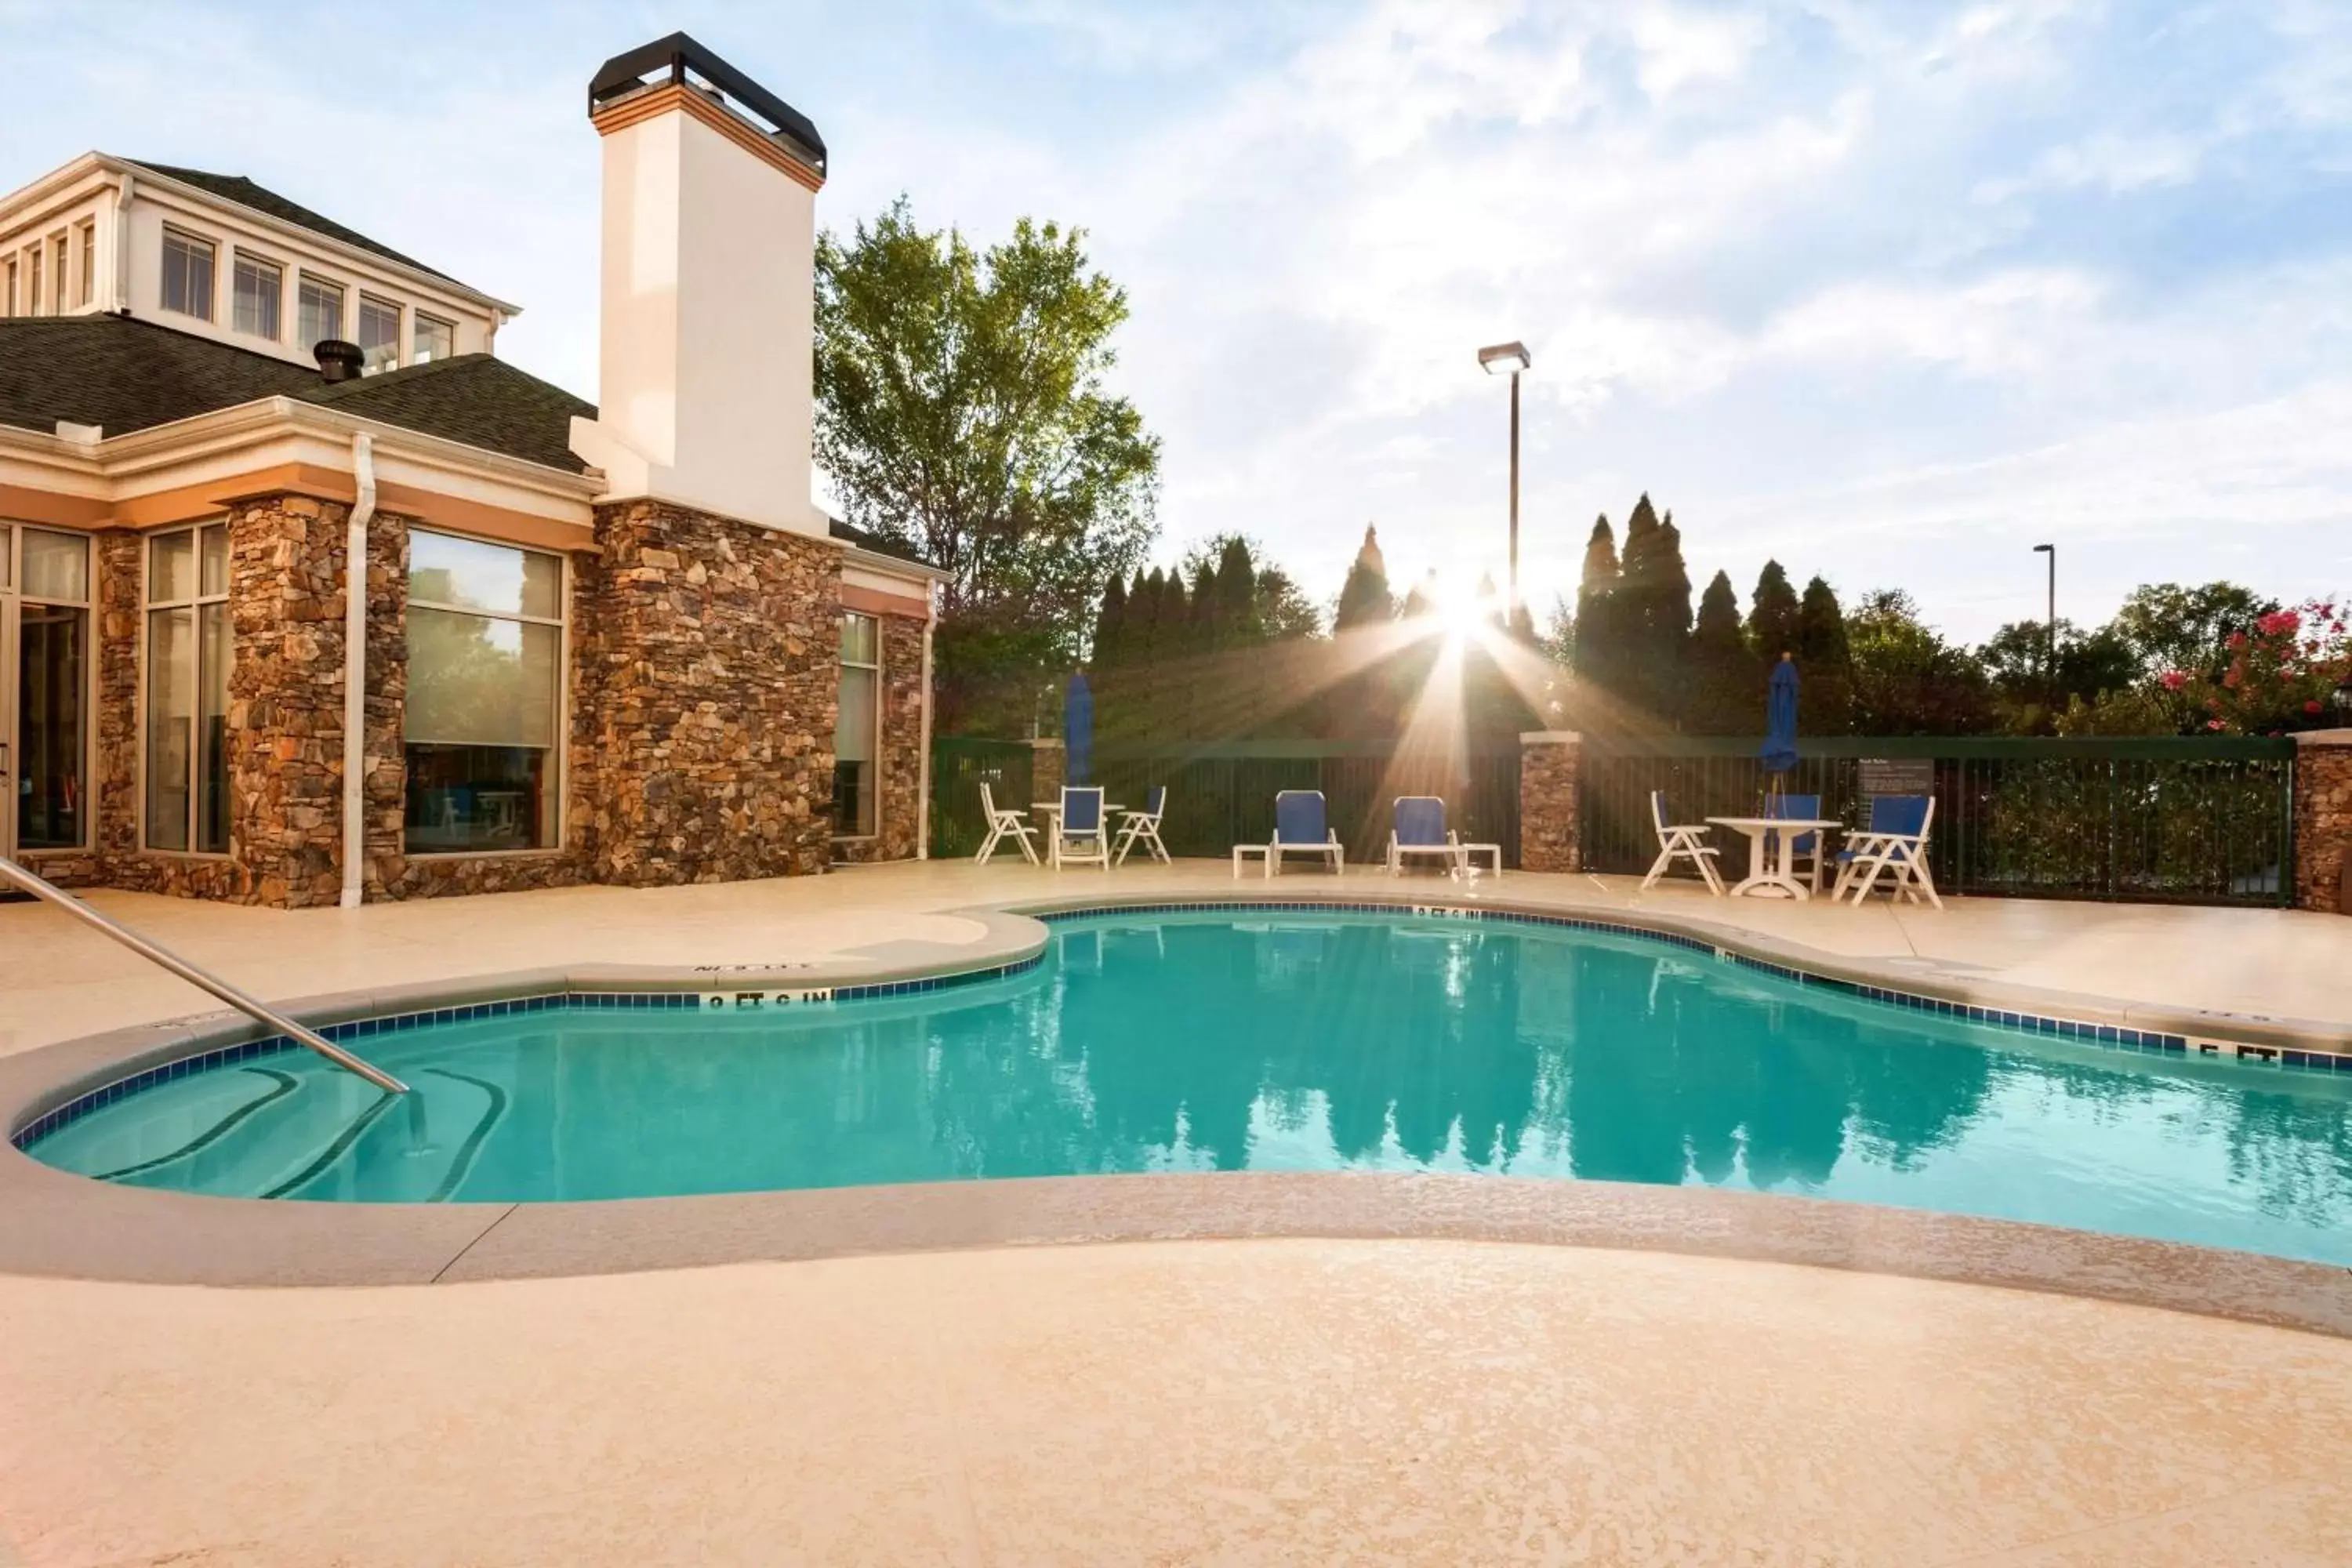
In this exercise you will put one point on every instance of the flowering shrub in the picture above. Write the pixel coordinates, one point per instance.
(2281, 676)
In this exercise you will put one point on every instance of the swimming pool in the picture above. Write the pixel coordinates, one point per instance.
(1290, 1040)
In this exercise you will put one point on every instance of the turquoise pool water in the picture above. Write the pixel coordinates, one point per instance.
(1288, 1041)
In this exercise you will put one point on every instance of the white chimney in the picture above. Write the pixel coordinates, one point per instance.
(707, 360)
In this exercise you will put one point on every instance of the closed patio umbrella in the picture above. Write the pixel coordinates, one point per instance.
(1779, 752)
(1079, 730)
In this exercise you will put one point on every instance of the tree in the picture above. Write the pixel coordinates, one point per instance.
(1597, 651)
(2169, 628)
(1284, 610)
(1652, 612)
(2032, 691)
(1908, 680)
(1773, 614)
(1725, 685)
(1110, 625)
(1825, 657)
(1364, 598)
(960, 410)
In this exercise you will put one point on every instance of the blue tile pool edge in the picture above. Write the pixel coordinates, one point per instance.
(2115, 1036)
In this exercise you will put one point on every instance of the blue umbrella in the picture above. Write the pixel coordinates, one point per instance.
(1779, 752)
(1079, 730)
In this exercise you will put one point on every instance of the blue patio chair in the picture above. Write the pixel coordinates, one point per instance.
(1418, 829)
(1299, 828)
(1081, 837)
(1143, 827)
(1896, 841)
(1806, 845)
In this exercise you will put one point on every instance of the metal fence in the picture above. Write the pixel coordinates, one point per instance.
(1222, 794)
(2154, 820)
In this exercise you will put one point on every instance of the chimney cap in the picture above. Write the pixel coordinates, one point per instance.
(677, 57)
(339, 361)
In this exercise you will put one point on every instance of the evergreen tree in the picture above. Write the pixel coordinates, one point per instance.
(1237, 608)
(1110, 625)
(1147, 609)
(1206, 636)
(1726, 682)
(1825, 660)
(1773, 616)
(1422, 600)
(1594, 637)
(1652, 611)
(1364, 599)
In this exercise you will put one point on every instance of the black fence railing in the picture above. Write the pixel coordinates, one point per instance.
(2154, 820)
(1222, 794)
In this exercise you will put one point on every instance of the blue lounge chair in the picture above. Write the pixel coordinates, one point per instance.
(1896, 841)
(1299, 828)
(1081, 837)
(1418, 829)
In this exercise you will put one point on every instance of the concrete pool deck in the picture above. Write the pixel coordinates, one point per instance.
(1296, 1399)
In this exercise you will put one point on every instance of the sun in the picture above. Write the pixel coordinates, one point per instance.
(1464, 609)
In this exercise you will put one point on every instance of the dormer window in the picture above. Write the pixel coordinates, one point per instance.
(259, 289)
(319, 309)
(379, 337)
(436, 338)
(187, 275)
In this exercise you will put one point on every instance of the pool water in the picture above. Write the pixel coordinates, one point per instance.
(1282, 1042)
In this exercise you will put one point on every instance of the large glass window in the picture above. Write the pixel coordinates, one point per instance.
(52, 687)
(485, 696)
(33, 287)
(187, 275)
(854, 727)
(260, 285)
(436, 338)
(188, 652)
(88, 262)
(321, 310)
(378, 333)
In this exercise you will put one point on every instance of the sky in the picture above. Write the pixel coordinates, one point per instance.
(1890, 292)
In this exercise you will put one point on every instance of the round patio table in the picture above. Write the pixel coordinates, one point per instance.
(1051, 810)
(1774, 880)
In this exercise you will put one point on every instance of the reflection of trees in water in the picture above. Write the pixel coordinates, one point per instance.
(2294, 1152)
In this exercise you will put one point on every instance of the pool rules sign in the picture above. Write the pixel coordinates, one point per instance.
(1898, 776)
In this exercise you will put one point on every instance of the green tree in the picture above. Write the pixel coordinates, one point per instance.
(1284, 610)
(1109, 649)
(2170, 628)
(1652, 612)
(2033, 691)
(960, 410)
(1726, 688)
(1908, 680)
(1597, 648)
(1825, 657)
(1773, 614)
(1364, 598)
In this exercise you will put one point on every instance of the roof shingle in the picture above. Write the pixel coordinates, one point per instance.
(261, 199)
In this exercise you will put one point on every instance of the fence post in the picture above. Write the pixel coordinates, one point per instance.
(1547, 799)
(2322, 818)
(1046, 775)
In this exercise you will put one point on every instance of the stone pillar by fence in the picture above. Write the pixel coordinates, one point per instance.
(2322, 818)
(1547, 783)
(1046, 775)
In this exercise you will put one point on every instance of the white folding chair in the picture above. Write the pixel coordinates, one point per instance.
(1143, 827)
(1003, 822)
(1680, 843)
(1896, 841)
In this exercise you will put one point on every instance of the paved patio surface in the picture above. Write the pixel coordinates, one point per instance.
(1278, 1401)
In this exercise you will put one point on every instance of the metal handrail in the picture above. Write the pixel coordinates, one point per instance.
(260, 1011)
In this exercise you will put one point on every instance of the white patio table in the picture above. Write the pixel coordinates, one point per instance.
(1050, 812)
(1774, 880)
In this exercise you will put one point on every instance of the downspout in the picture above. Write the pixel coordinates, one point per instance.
(355, 628)
(923, 758)
(118, 258)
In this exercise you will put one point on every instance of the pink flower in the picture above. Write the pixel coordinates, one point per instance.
(2272, 625)
(2230, 680)
(2212, 723)
(2311, 707)
(2237, 639)
(2173, 679)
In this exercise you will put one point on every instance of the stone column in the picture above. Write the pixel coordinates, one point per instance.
(1046, 772)
(1548, 802)
(2322, 818)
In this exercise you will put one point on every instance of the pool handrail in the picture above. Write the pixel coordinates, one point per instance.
(260, 1012)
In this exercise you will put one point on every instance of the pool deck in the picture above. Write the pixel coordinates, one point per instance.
(1302, 1398)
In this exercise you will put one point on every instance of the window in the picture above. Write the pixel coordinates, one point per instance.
(321, 308)
(8, 306)
(187, 275)
(259, 286)
(52, 680)
(436, 338)
(33, 282)
(853, 728)
(187, 690)
(379, 333)
(64, 276)
(88, 262)
(485, 695)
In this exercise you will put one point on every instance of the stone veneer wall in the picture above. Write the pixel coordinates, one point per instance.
(708, 671)
(898, 750)
(1547, 801)
(2322, 818)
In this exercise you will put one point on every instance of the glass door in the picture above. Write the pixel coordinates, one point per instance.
(45, 652)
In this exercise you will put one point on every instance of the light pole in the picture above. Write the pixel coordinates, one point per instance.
(1494, 361)
(2050, 629)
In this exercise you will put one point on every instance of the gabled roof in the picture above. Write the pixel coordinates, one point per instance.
(124, 375)
(245, 193)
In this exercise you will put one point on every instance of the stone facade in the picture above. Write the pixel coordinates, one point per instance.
(1547, 814)
(2322, 818)
(1047, 764)
(898, 750)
